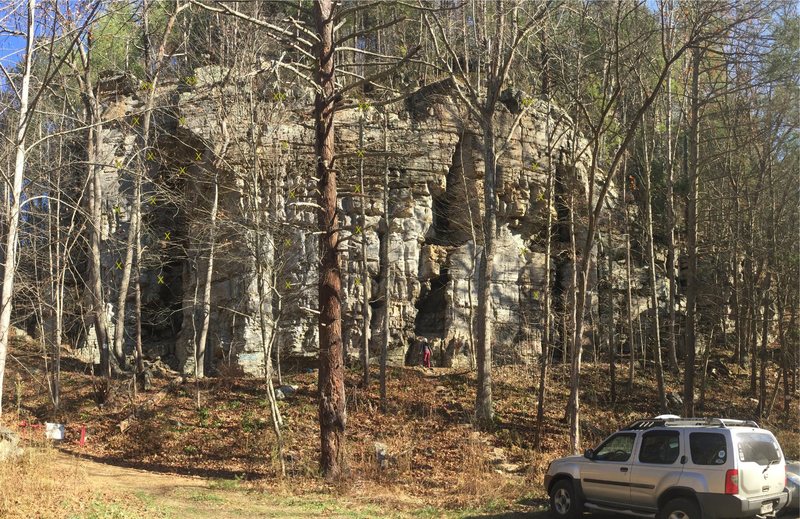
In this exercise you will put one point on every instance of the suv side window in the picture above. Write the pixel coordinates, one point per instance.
(708, 448)
(617, 448)
(660, 447)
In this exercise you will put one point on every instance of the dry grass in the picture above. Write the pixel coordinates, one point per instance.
(437, 459)
(477, 483)
(33, 485)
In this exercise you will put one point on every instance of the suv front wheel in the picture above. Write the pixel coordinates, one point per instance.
(563, 502)
(680, 508)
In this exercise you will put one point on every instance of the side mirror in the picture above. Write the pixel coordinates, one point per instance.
(588, 453)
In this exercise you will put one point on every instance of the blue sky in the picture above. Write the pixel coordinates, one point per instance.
(13, 17)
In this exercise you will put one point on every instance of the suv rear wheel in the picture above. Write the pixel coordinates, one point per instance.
(680, 508)
(563, 502)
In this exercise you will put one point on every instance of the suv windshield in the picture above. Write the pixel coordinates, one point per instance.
(759, 448)
(616, 448)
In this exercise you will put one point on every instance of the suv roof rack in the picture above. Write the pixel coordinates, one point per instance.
(649, 423)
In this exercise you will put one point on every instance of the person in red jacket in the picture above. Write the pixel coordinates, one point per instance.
(426, 353)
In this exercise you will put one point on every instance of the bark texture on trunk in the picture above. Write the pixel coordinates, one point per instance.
(332, 410)
(366, 309)
(384, 260)
(484, 413)
(690, 342)
(546, 335)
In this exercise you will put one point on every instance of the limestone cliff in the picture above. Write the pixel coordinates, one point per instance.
(257, 146)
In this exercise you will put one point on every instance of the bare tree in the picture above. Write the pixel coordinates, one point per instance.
(63, 40)
(651, 265)
(15, 207)
(691, 236)
(512, 25)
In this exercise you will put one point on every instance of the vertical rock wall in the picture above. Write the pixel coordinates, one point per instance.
(260, 151)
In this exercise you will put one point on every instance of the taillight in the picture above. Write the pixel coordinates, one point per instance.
(732, 481)
(786, 475)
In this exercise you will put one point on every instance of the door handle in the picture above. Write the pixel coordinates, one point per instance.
(623, 469)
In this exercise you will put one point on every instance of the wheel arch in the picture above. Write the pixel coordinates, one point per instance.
(561, 476)
(576, 483)
(678, 492)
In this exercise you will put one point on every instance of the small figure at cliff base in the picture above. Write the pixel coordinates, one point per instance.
(426, 353)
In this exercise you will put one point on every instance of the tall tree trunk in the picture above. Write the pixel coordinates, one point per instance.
(484, 412)
(124, 285)
(690, 342)
(15, 207)
(628, 293)
(786, 355)
(384, 260)
(366, 313)
(651, 257)
(762, 393)
(332, 409)
(473, 262)
(57, 280)
(258, 186)
(201, 347)
(58, 262)
(737, 286)
(137, 293)
(578, 291)
(546, 336)
(753, 304)
(612, 339)
(267, 342)
(704, 376)
(670, 202)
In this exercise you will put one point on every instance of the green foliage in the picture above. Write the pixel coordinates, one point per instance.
(227, 484)
(204, 414)
(99, 509)
(249, 423)
(205, 497)
(190, 449)
(116, 40)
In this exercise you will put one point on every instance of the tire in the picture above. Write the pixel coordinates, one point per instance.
(680, 508)
(564, 501)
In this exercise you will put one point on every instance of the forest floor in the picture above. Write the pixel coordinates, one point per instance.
(175, 460)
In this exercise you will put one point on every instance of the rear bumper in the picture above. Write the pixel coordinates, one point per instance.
(721, 506)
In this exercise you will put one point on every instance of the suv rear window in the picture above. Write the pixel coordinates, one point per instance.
(708, 448)
(758, 447)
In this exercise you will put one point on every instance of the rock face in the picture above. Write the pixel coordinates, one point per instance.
(256, 148)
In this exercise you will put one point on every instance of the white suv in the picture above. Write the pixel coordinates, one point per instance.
(674, 468)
